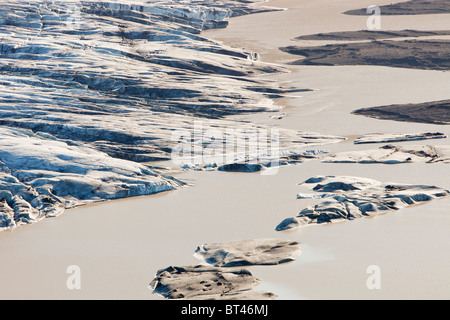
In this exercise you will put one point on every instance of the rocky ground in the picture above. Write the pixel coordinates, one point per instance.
(435, 112)
(412, 49)
(415, 54)
(372, 35)
(410, 7)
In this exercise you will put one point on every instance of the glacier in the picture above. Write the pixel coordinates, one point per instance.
(92, 92)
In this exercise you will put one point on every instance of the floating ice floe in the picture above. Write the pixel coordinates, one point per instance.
(249, 252)
(222, 280)
(257, 163)
(388, 138)
(356, 198)
(390, 154)
(279, 116)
